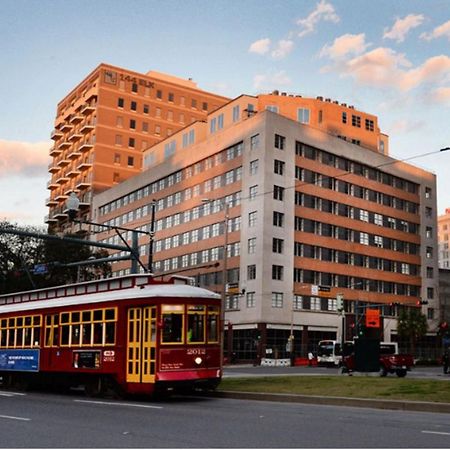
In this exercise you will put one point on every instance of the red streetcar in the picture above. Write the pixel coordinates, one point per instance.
(132, 334)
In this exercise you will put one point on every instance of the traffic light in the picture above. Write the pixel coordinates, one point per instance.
(340, 302)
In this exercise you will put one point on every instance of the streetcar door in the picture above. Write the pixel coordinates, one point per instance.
(141, 345)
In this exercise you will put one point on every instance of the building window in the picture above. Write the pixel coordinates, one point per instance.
(278, 193)
(278, 167)
(364, 238)
(356, 121)
(344, 117)
(252, 219)
(254, 142)
(430, 293)
(131, 161)
(236, 113)
(134, 87)
(427, 192)
(251, 272)
(119, 121)
(159, 94)
(369, 125)
(251, 245)
(220, 121)
(277, 299)
(118, 139)
(315, 304)
(120, 102)
(253, 192)
(194, 103)
(277, 245)
(303, 115)
(251, 302)
(254, 167)
(132, 124)
(146, 109)
(280, 142)
(277, 272)
(430, 313)
(278, 219)
(272, 108)
(430, 272)
(131, 142)
(429, 252)
(298, 302)
(170, 97)
(429, 232)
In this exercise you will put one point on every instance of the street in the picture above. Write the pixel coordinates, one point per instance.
(35, 419)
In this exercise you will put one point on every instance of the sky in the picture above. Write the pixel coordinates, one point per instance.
(390, 58)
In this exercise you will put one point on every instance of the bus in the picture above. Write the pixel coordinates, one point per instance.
(129, 334)
(329, 352)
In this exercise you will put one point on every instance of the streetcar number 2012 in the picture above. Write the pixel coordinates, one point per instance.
(196, 351)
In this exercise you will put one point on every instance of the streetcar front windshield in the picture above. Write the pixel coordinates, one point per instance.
(326, 349)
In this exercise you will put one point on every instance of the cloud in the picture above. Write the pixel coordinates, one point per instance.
(283, 49)
(348, 44)
(271, 81)
(440, 95)
(385, 68)
(405, 126)
(324, 12)
(402, 27)
(440, 31)
(24, 158)
(261, 47)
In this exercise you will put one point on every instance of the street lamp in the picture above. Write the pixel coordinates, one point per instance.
(224, 272)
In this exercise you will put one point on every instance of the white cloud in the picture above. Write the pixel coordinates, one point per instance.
(324, 12)
(385, 68)
(283, 49)
(271, 81)
(261, 47)
(348, 44)
(24, 158)
(440, 95)
(405, 126)
(402, 27)
(440, 31)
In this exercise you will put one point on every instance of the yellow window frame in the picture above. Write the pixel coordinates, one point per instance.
(173, 309)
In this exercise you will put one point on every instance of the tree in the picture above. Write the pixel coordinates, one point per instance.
(411, 326)
(19, 255)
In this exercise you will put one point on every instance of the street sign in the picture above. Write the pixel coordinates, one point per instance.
(232, 288)
(372, 318)
(40, 269)
(314, 289)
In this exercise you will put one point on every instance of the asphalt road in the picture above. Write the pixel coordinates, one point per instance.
(34, 419)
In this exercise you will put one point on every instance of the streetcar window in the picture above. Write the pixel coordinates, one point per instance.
(65, 335)
(51, 330)
(110, 329)
(86, 334)
(98, 333)
(109, 314)
(65, 318)
(18, 332)
(71, 291)
(196, 324)
(172, 316)
(87, 316)
(213, 324)
(81, 289)
(98, 315)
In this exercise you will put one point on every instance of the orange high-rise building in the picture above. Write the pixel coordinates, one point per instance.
(103, 125)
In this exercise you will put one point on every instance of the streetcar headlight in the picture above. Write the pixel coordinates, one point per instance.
(198, 360)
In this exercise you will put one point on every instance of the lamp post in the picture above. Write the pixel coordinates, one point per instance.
(224, 275)
(151, 235)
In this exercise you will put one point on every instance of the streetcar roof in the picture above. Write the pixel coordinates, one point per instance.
(136, 292)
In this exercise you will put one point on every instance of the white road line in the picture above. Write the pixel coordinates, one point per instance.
(15, 418)
(136, 405)
(436, 432)
(10, 394)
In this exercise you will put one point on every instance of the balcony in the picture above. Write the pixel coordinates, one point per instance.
(74, 153)
(51, 202)
(59, 213)
(55, 151)
(76, 118)
(85, 199)
(85, 146)
(56, 134)
(86, 127)
(88, 108)
(61, 196)
(63, 161)
(72, 172)
(66, 127)
(62, 178)
(49, 219)
(52, 184)
(83, 184)
(63, 145)
(52, 167)
(75, 136)
(83, 165)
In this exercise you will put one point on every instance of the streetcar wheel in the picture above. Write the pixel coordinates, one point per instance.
(401, 373)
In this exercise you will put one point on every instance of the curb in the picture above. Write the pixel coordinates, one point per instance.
(339, 401)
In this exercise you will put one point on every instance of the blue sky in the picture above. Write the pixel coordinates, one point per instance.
(389, 58)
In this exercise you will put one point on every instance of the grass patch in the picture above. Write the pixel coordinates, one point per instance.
(392, 388)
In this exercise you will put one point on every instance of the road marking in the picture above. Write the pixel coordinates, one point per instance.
(136, 405)
(15, 418)
(10, 394)
(436, 432)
